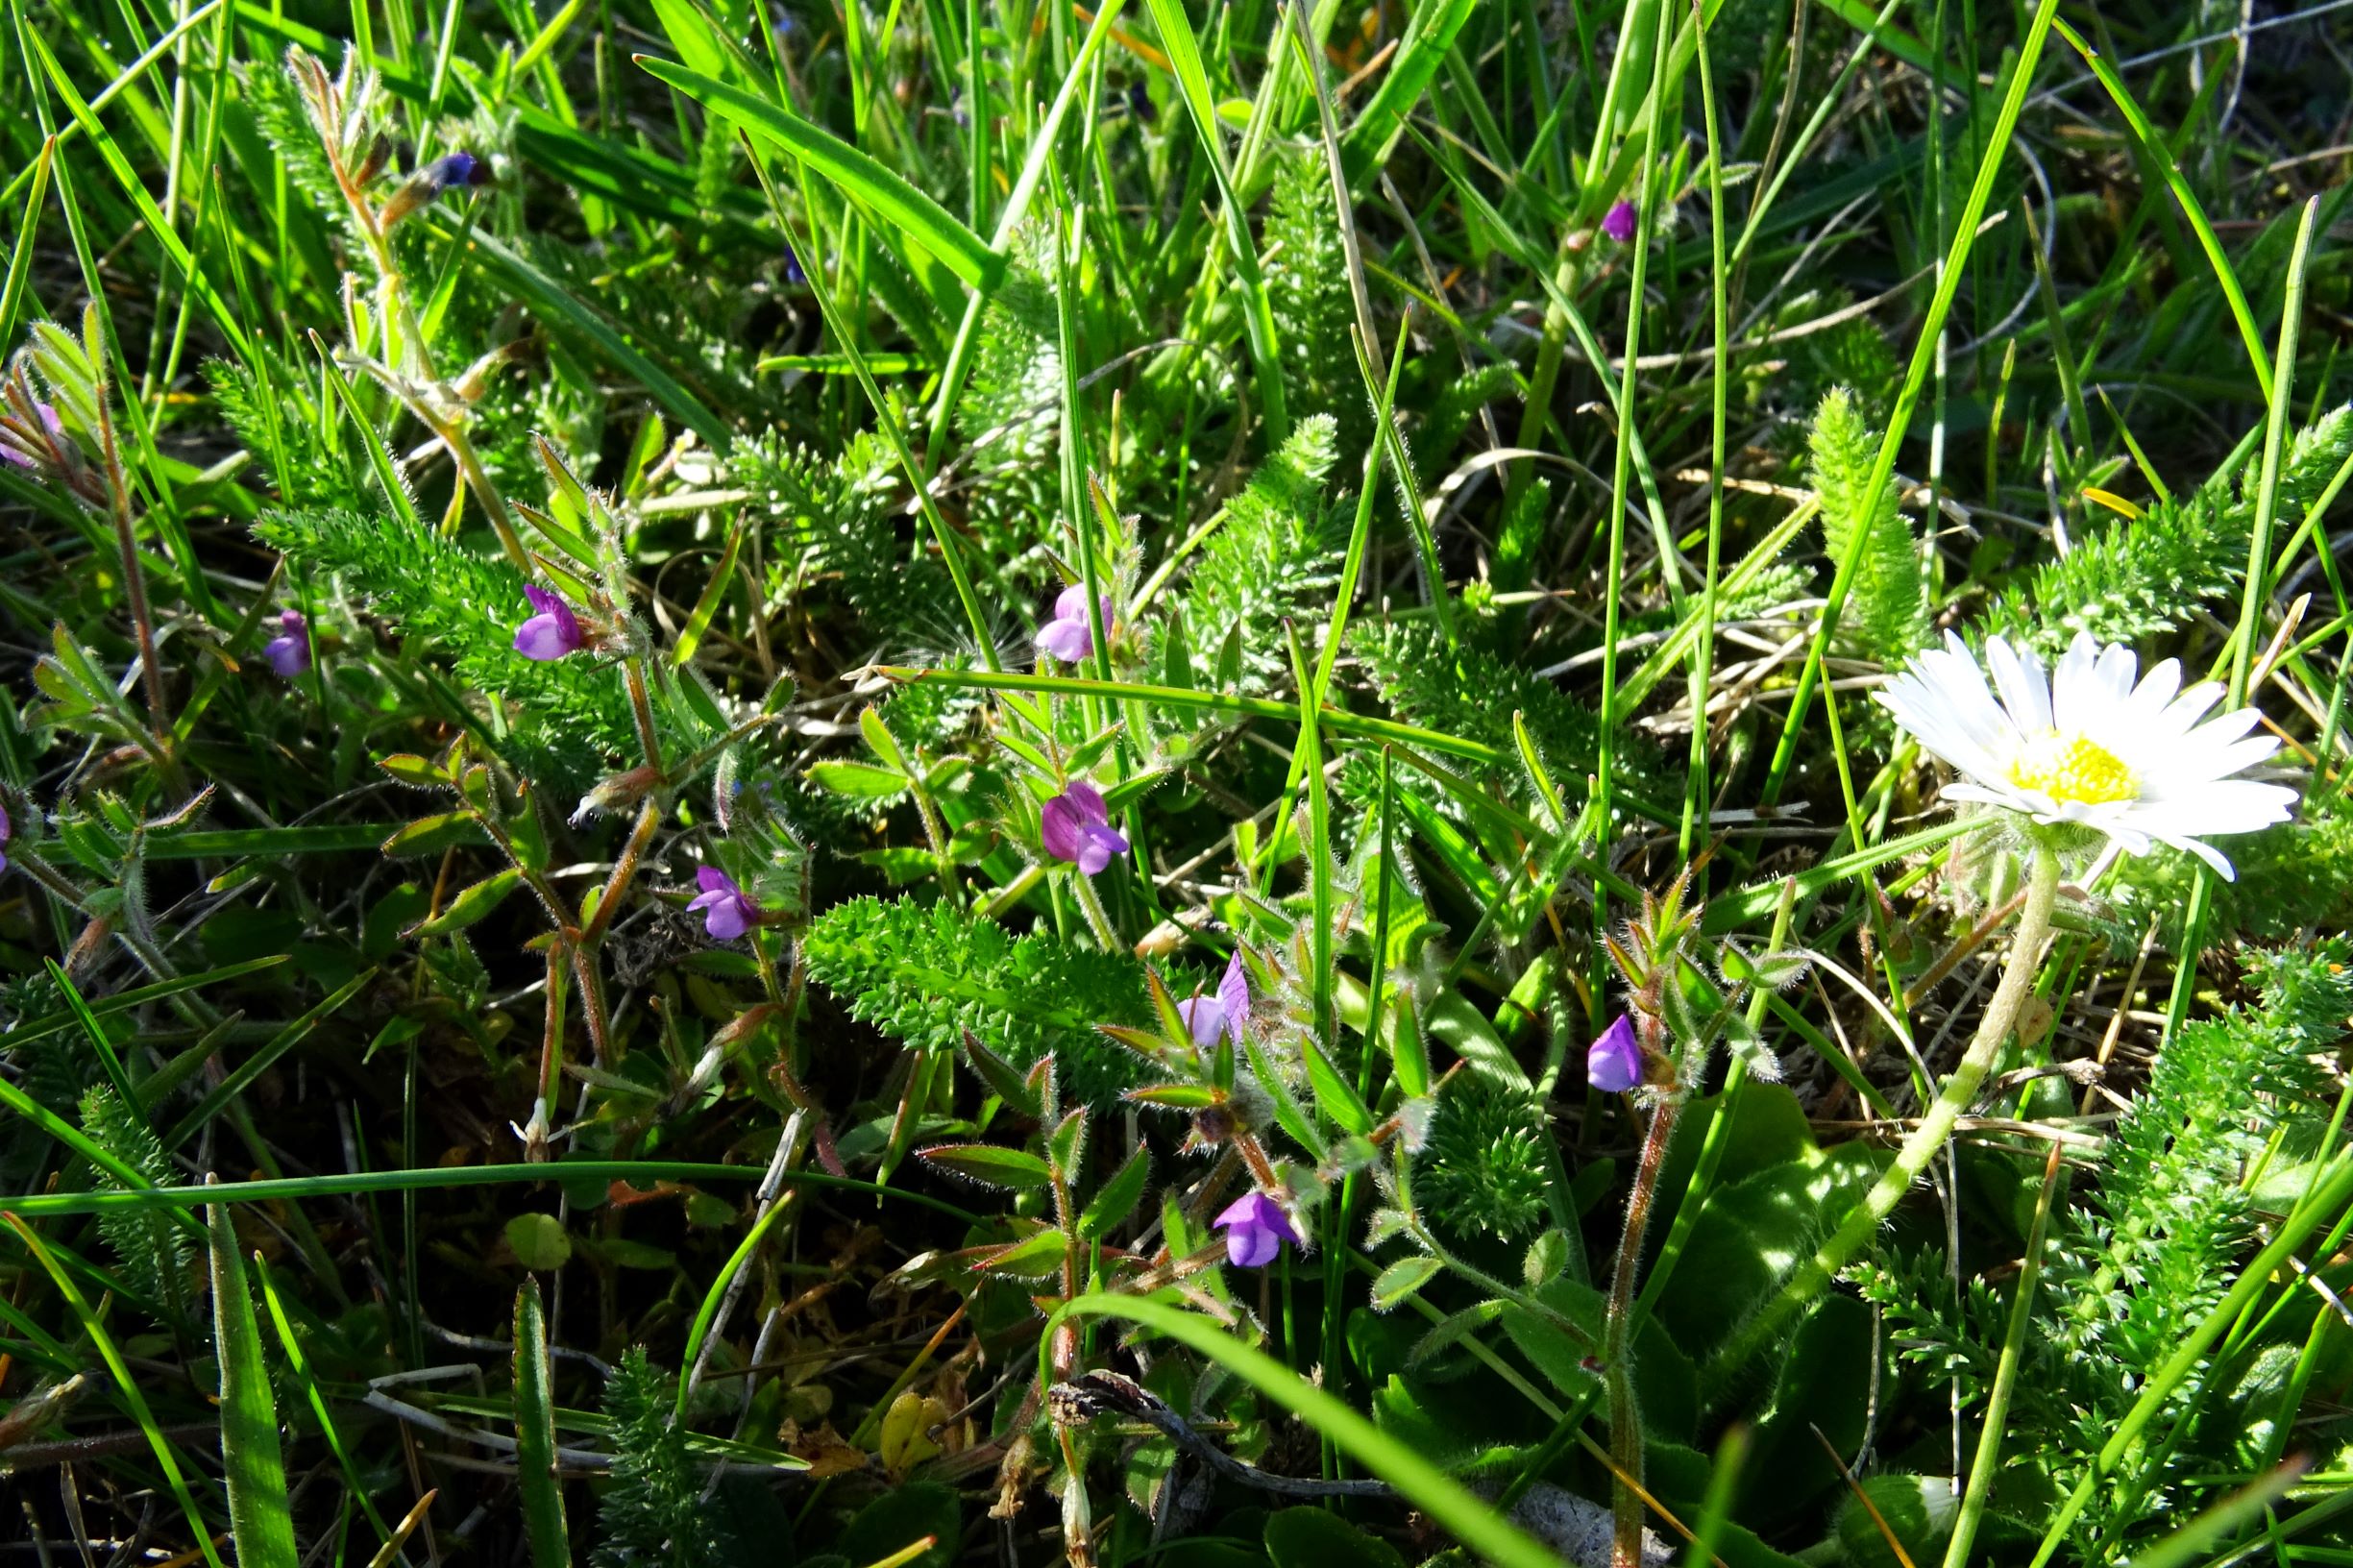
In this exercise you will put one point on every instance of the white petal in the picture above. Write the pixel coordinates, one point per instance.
(2024, 691)
(2204, 851)
(2117, 664)
(2189, 769)
(2076, 691)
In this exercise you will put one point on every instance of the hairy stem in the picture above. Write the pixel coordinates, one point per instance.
(1618, 1327)
(1927, 1139)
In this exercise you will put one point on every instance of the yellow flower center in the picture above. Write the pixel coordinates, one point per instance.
(2073, 768)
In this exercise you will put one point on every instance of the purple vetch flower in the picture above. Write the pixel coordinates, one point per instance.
(793, 274)
(453, 170)
(727, 910)
(1069, 636)
(4, 830)
(1256, 1228)
(1226, 1010)
(1076, 826)
(1613, 1062)
(1618, 223)
(551, 633)
(1139, 102)
(289, 652)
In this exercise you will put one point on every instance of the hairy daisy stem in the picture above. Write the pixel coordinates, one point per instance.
(1927, 1139)
(1618, 1327)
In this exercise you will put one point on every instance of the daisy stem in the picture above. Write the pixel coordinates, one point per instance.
(1927, 1139)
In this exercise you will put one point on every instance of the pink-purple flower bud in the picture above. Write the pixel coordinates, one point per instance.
(289, 652)
(552, 632)
(1613, 1062)
(1075, 826)
(1256, 1228)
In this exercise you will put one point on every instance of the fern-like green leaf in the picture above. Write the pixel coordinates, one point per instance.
(1277, 555)
(451, 603)
(2134, 580)
(927, 973)
(1887, 608)
(653, 1515)
(153, 1252)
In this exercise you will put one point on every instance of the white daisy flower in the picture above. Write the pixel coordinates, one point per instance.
(2090, 746)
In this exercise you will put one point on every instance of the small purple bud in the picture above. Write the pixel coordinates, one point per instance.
(1075, 826)
(1069, 636)
(793, 273)
(1256, 1228)
(728, 912)
(1618, 223)
(1139, 102)
(1613, 1062)
(289, 652)
(4, 830)
(23, 457)
(552, 632)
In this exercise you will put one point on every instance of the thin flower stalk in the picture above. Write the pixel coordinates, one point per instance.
(1933, 1130)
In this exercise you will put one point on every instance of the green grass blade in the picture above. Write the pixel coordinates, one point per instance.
(126, 1386)
(1470, 1519)
(917, 215)
(536, 1472)
(253, 1465)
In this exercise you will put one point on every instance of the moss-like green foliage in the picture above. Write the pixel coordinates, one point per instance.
(926, 972)
(453, 606)
(1472, 694)
(2134, 580)
(1306, 290)
(153, 1251)
(651, 1516)
(834, 531)
(1484, 1167)
(2140, 1262)
(1887, 608)
(1276, 555)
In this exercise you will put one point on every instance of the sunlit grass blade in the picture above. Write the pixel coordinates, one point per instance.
(917, 215)
(253, 1466)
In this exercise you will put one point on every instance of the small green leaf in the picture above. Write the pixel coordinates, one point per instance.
(471, 906)
(858, 780)
(535, 1463)
(253, 1463)
(430, 835)
(1403, 1280)
(881, 742)
(539, 1241)
(988, 1164)
(1119, 1196)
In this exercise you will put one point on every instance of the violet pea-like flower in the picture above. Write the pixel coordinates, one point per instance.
(1618, 223)
(727, 910)
(289, 652)
(453, 170)
(1256, 1228)
(1069, 636)
(4, 830)
(1224, 1012)
(1613, 1062)
(552, 632)
(1075, 826)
